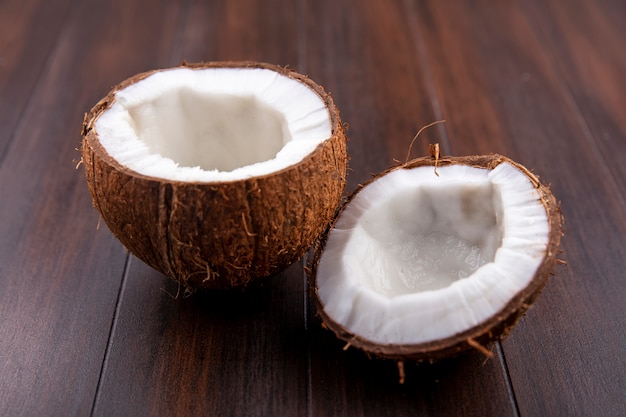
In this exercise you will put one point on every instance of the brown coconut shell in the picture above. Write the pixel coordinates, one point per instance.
(218, 235)
(478, 337)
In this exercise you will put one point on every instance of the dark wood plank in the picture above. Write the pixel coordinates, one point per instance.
(229, 353)
(350, 383)
(59, 275)
(369, 57)
(85, 329)
(28, 31)
(219, 353)
(585, 43)
(564, 356)
(245, 30)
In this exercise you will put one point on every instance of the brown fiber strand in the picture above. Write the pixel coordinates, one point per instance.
(408, 154)
(434, 152)
(480, 348)
(401, 372)
(245, 226)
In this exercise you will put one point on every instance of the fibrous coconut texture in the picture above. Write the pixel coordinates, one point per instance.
(424, 262)
(217, 173)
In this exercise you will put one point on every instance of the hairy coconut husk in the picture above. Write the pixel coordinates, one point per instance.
(478, 337)
(222, 234)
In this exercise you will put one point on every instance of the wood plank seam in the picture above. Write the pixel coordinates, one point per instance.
(507, 376)
(114, 320)
(177, 47)
(420, 46)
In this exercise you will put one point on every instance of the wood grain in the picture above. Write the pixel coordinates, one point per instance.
(367, 59)
(524, 82)
(87, 330)
(242, 30)
(28, 31)
(583, 42)
(212, 353)
(60, 275)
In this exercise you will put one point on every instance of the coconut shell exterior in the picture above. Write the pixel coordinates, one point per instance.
(478, 337)
(218, 235)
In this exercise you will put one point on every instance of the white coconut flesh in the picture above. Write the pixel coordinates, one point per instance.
(213, 124)
(415, 257)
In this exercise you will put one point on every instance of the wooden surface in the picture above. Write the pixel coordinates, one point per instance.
(86, 329)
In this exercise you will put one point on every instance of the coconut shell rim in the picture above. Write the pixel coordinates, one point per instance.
(91, 137)
(499, 325)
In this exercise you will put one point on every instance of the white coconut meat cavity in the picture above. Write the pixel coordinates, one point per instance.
(424, 263)
(217, 173)
(213, 124)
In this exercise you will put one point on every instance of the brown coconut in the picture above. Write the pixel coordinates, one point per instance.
(497, 326)
(218, 234)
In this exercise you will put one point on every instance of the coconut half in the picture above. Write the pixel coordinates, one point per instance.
(217, 173)
(425, 262)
